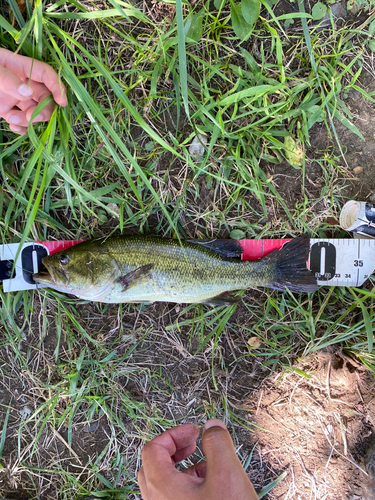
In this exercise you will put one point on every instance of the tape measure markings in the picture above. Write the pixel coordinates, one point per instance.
(337, 262)
(29, 261)
(334, 262)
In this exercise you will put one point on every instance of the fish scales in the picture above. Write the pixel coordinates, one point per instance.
(183, 274)
(148, 269)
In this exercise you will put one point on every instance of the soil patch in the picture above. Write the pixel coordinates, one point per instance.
(319, 429)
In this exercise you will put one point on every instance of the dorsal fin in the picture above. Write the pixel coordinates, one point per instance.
(226, 248)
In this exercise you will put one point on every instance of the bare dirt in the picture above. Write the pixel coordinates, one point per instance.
(320, 429)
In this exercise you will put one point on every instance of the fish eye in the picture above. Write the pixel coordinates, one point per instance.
(64, 259)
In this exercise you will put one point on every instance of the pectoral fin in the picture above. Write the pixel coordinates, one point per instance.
(135, 277)
(225, 299)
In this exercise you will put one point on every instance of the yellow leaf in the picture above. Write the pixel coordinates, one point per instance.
(254, 342)
(293, 151)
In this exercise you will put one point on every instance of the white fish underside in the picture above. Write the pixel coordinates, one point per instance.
(159, 288)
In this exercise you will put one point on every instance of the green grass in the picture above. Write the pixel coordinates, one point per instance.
(116, 160)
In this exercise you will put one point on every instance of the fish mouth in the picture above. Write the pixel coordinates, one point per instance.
(43, 278)
(50, 276)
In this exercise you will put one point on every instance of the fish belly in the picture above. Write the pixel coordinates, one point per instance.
(160, 287)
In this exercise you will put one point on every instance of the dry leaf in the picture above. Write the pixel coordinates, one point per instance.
(254, 342)
(21, 4)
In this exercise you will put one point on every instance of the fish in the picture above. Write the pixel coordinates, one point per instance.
(146, 269)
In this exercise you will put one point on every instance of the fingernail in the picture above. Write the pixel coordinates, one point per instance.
(214, 423)
(38, 118)
(25, 90)
(16, 128)
(14, 119)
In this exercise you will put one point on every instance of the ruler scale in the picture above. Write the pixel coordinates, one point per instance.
(334, 262)
(18, 265)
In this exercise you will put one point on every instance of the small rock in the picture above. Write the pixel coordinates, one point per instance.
(115, 209)
(254, 342)
(25, 412)
(357, 170)
(198, 145)
(91, 427)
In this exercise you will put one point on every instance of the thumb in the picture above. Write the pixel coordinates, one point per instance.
(13, 86)
(225, 474)
(218, 448)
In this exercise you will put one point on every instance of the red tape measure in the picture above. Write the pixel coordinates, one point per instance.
(334, 262)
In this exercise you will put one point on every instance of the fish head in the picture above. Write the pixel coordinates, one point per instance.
(77, 270)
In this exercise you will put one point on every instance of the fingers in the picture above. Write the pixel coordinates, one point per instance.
(197, 470)
(142, 484)
(24, 83)
(18, 114)
(24, 105)
(43, 116)
(43, 73)
(13, 86)
(224, 470)
(20, 88)
(160, 454)
(25, 68)
(218, 447)
(22, 118)
(18, 130)
(158, 477)
(16, 117)
(39, 90)
(221, 477)
(184, 453)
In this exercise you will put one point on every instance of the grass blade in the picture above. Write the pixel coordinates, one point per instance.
(4, 431)
(271, 485)
(366, 319)
(182, 63)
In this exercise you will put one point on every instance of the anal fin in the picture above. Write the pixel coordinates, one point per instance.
(225, 299)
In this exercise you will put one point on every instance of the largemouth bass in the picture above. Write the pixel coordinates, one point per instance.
(149, 269)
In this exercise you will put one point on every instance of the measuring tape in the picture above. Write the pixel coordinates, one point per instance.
(17, 265)
(334, 262)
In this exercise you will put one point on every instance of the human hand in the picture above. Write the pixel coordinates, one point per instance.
(24, 83)
(221, 477)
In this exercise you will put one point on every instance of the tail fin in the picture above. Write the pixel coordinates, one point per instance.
(291, 268)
